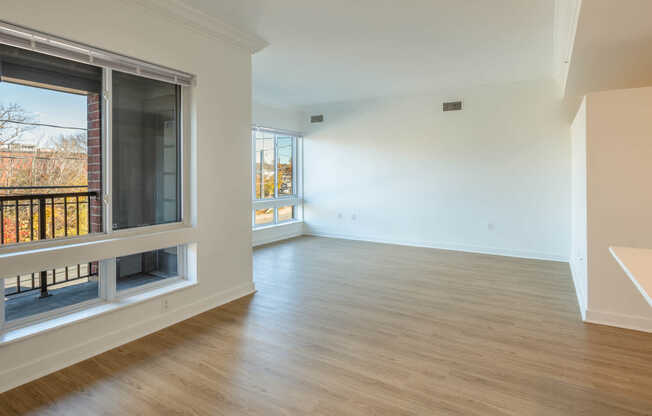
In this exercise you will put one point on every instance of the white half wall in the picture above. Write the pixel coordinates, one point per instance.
(578, 253)
(221, 148)
(491, 178)
(275, 233)
(619, 201)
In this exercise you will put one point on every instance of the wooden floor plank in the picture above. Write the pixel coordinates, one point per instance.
(341, 327)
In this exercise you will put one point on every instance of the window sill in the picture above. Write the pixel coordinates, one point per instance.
(272, 226)
(88, 239)
(19, 334)
(279, 202)
(44, 255)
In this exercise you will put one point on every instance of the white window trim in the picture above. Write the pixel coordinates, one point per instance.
(106, 246)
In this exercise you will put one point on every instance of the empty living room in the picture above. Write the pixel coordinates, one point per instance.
(292, 207)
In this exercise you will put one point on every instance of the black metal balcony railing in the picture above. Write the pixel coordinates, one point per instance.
(33, 217)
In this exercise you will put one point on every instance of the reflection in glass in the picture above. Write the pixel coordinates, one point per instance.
(146, 180)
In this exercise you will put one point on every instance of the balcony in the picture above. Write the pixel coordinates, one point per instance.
(48, 212)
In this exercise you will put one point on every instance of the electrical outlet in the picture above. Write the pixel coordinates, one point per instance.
(164, 305)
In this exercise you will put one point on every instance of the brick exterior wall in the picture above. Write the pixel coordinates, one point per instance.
(94, 148)
(94, 145)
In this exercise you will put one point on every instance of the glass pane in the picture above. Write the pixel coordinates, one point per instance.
(285, 213)
(146, 180)
(264, 216)
(50, 143)
(264, 165)
(284, 164)
(65, 286)
(143, 268)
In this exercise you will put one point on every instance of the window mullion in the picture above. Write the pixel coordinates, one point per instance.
(275, 177)
(2, 305)
(275, 166)
(253, 165)
(107, 135)
(300, 170)
(108, 279)
(107, 267)
(294, 166)
(182, 261)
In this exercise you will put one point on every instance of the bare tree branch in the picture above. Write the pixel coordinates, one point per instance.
(9, 131)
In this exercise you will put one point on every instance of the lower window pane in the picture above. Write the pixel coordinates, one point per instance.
(66, 286)
(285, 213)
(143, 268)
(264, 216)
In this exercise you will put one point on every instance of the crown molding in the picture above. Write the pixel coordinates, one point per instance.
(566, 17)
(206, 24)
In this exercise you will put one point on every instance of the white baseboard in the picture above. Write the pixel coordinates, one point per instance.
(581, 296)
(14, 377)
(525, 254)
(637, 323)
(277, 233)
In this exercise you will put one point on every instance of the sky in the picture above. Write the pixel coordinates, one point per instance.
(47, 107)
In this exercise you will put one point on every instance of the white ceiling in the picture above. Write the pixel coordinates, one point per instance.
(340, 50)
(612, 47)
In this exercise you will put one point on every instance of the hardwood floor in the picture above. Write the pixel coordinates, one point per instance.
(351, 328)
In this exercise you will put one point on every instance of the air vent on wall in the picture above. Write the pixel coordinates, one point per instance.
(453, 106)
(317, 119)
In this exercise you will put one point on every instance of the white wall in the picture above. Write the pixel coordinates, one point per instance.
(619, 159)
(578, 218)
(221, 148)
(278, 118)
(492, 178)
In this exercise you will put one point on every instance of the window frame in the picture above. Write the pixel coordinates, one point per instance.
(105, 246)
(182, 163)
(277, 201)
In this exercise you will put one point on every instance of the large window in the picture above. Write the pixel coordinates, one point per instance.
(92, 144)
(275, 186)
